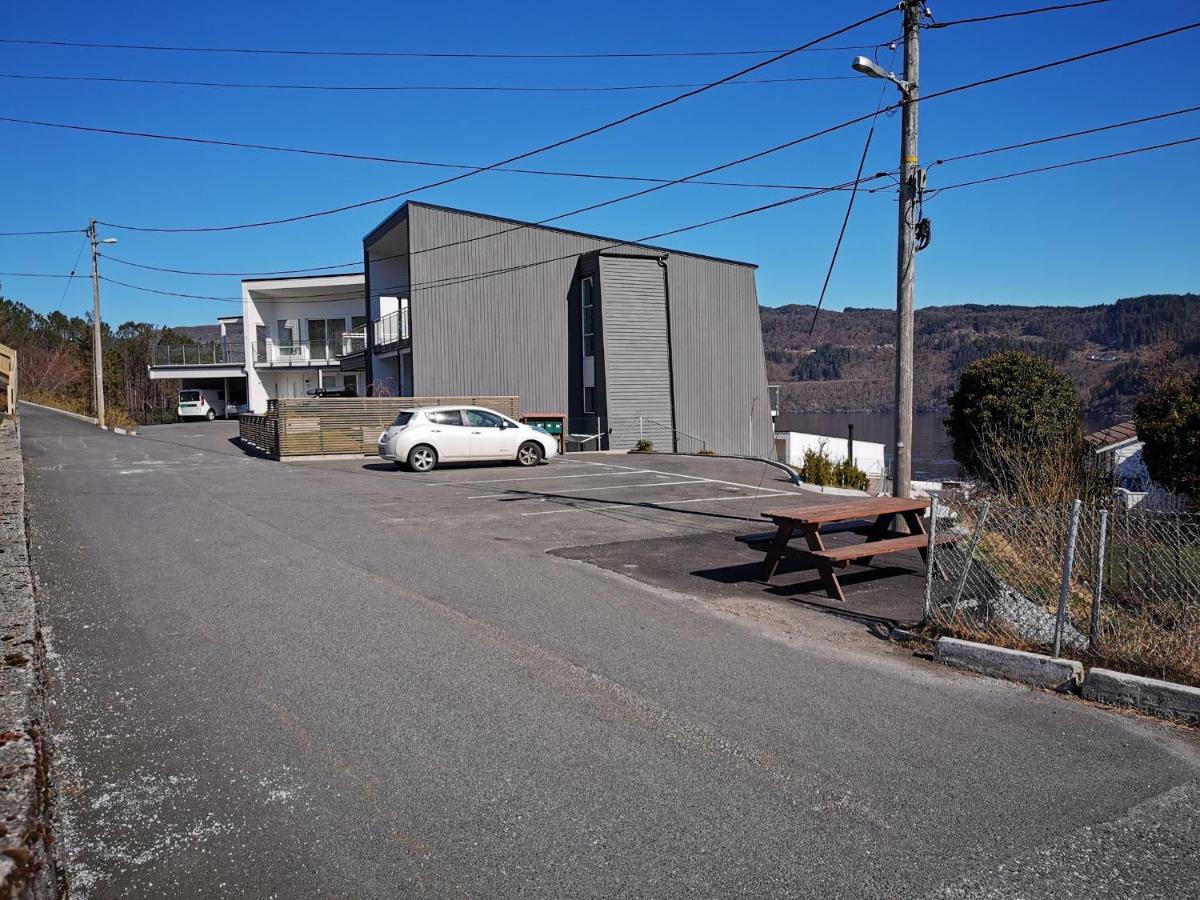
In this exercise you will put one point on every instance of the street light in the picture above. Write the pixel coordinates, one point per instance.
(911, 182)
(870, 67)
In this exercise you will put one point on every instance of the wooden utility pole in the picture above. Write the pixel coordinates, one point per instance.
(97, 350)
(906, 273)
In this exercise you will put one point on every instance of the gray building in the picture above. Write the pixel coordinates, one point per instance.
(624, 339)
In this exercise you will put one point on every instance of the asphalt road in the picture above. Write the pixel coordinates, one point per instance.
(336, 680)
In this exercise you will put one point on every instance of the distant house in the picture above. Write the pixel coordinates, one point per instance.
(1117, 452)
(626, 340)
(287, 342)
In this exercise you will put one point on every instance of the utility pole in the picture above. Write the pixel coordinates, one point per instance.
(910, 175)
(97, 350)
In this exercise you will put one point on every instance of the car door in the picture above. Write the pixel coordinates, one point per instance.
(489, 438)
(448, 435)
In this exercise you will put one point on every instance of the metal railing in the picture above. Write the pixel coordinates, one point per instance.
(392, 328)
(221, 353)
(354, 341)
(304, 353)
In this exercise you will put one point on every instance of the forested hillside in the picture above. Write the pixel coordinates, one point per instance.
(847, 363)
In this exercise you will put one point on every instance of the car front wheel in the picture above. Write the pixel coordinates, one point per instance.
(210, 415)
(529, 454)
(422, 458)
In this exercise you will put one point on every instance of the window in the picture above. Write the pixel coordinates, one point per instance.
(403, 418)
(477, 418)
(589, 400)
(325, 338)
(357, 322)
(588, 304)
(445, 417)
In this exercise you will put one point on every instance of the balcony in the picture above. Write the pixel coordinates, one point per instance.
(354, 341)
(391, 331)
(307, 354)
(192, 355)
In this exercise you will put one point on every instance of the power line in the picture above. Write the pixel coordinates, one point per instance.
(74, 266)
(1070, 134)
(450, 281)
(1065, 165)
(644, 54)
(525, 155)
(1012, 15)
(837, 246)
(945, 92)
(853, 188)
(52, 231)
(390, 159)
(1061, 62)
(414, 88)
(948, 91)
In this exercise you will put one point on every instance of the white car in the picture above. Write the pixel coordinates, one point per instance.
(201, 403)
(421, 438)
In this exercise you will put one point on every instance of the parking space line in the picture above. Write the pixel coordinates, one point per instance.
(648, 505)
(749, 487)
(548, 477)
(500, 493)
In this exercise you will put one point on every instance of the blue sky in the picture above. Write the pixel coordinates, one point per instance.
(1083, 235)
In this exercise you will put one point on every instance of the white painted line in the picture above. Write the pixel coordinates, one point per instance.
(749, 487)
(647, 505)
(508, 492)
(544, 477)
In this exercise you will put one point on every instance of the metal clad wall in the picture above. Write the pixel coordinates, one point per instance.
(509, 334)
(717, 354)
(637, 372)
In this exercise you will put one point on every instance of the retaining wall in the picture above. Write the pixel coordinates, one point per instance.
(28, 868)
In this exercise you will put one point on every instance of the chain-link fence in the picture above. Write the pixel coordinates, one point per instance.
(1112, 586)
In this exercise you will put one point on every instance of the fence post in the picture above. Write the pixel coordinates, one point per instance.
(1098, 589)
(1064, 591)
(929, 555)
(640, 435)
(962, 579)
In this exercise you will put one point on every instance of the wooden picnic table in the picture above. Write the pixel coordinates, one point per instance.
(808, 520)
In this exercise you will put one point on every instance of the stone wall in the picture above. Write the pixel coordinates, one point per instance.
(27, 863)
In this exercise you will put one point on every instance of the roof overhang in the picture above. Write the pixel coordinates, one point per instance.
(166, 373)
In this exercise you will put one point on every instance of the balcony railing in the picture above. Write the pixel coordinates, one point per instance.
(212, 354)
(306, 353)
(354, 341)
(392, 328)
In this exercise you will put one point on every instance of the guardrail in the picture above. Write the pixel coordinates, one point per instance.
(208, 354)
(302, 353)
(354, 341)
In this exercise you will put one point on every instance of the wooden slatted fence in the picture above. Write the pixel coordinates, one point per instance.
(338, 425)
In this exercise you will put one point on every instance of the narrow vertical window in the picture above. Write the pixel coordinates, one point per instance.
(587, 302)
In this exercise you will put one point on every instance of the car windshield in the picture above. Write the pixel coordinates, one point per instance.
(403, 419)
(189, 396)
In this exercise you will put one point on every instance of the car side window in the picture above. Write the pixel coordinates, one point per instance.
(477, 418)
(446, 417)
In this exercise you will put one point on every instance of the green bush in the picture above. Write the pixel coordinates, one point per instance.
(1015, 424)
(820, 470)
(644, 445)
(1167, 419)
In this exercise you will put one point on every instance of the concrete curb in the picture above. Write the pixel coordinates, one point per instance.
(61, 412)
(28, 868)
(1150, 695)
(82, 418)
(1016, 665)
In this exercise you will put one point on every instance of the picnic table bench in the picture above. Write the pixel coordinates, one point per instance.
(808, 521)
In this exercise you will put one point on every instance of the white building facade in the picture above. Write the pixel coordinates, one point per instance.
(295, 331)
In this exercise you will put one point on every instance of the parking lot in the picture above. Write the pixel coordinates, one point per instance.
(665, 520)
(335, 679)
